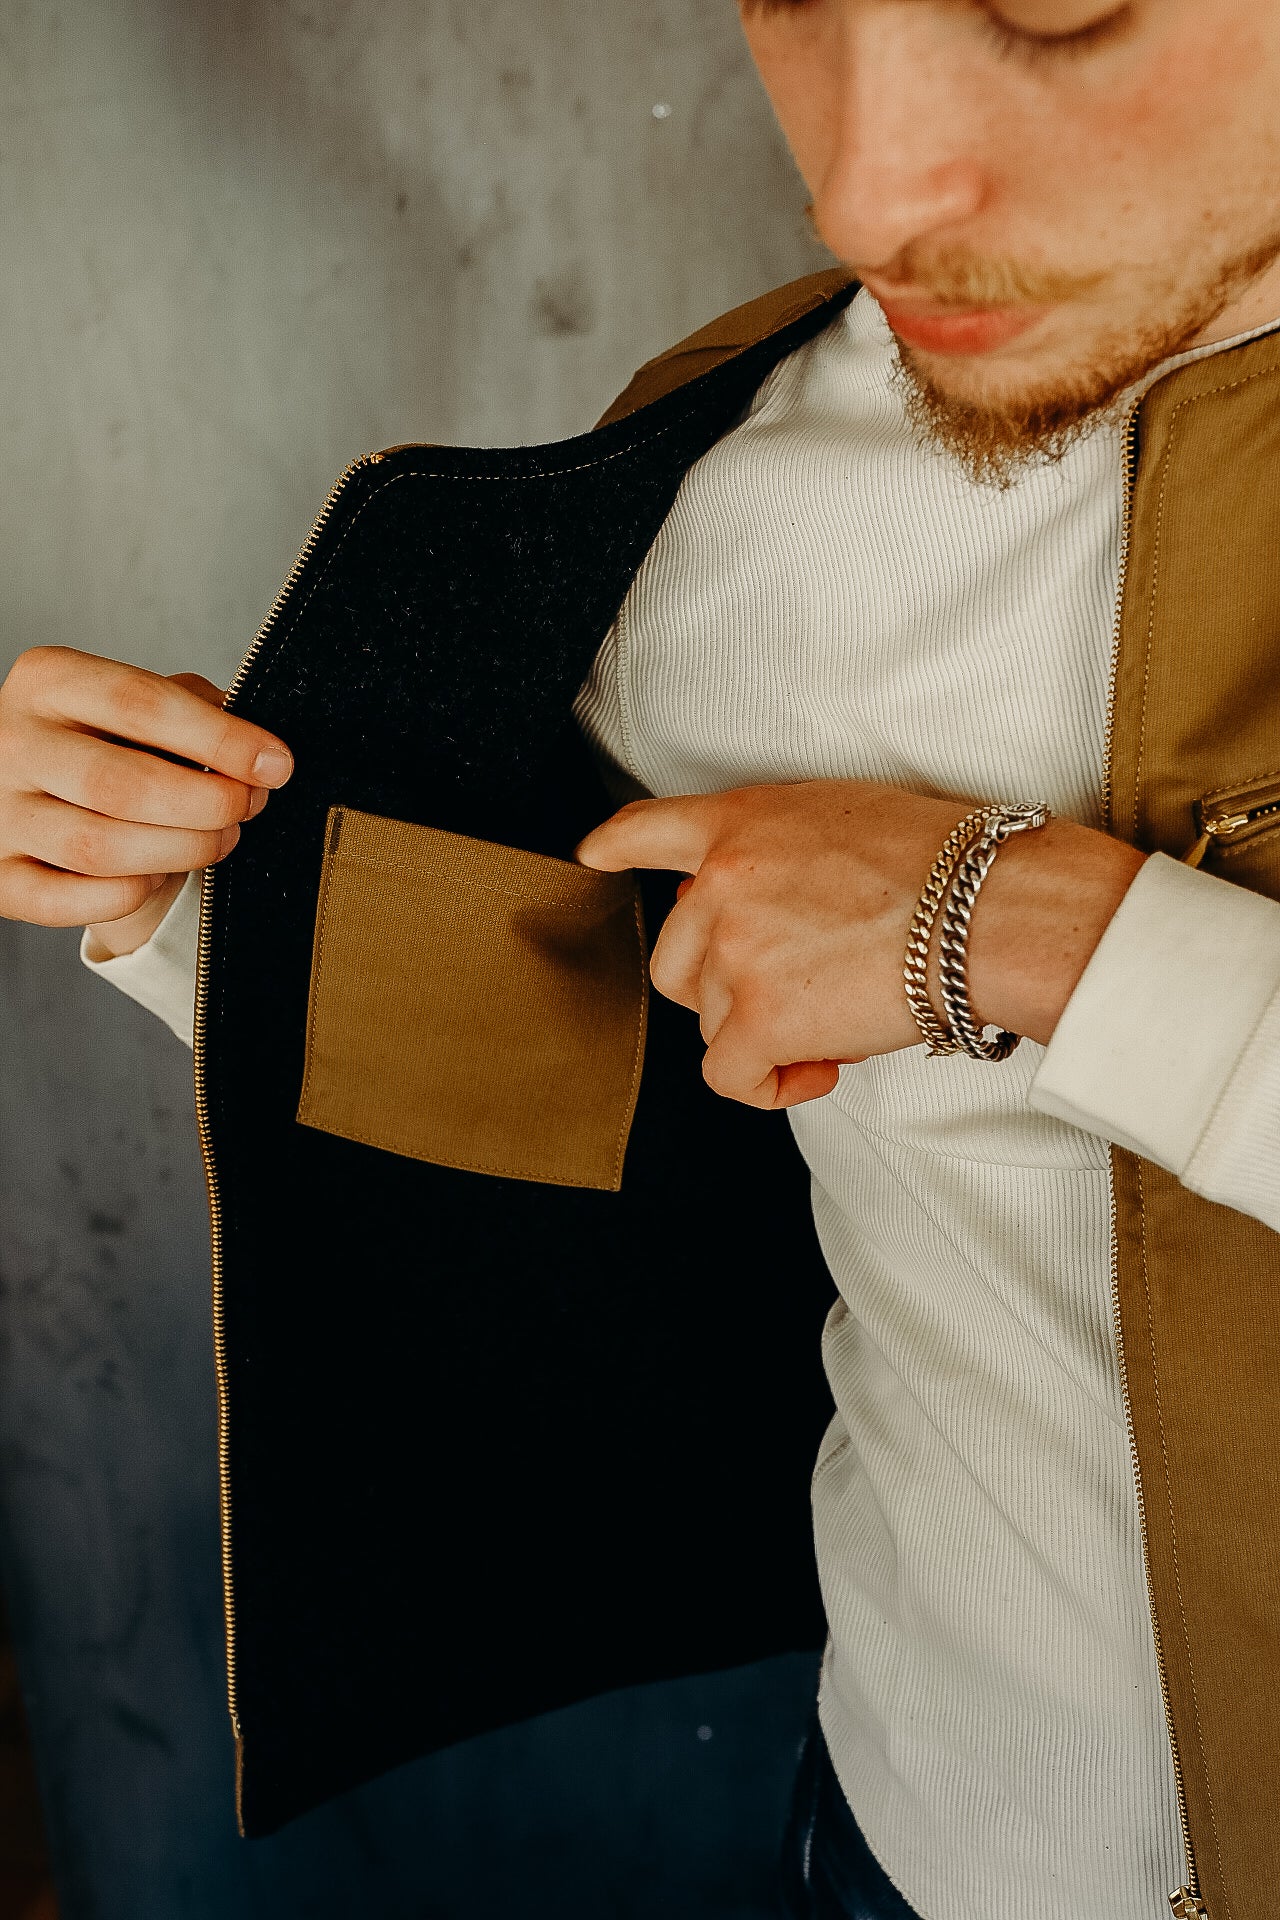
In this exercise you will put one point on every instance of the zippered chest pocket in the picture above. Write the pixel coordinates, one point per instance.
(1238, 832)
(474, 1005)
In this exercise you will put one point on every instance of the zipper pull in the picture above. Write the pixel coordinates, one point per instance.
(1212, 830)
(1187, 1905)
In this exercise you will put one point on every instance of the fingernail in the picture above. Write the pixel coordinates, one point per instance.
(257, 801)
(272, 767)
(230, 836)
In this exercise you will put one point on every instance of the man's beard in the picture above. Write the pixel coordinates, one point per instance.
(997, 439)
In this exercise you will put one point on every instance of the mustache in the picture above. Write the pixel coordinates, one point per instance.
(957, 278)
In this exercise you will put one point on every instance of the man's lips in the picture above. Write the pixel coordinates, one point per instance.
(956, 330)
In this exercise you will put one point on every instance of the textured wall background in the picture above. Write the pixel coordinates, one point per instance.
(241, 243)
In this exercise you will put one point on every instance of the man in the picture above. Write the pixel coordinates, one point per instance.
(891, 590)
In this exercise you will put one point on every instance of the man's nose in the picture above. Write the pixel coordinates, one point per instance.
(903, 162)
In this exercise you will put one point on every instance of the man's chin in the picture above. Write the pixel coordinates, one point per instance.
(1029, 403)
(999, 414)
(999, 419)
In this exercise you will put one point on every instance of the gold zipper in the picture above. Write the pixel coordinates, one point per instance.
(308, 547)
(1186, 1902)
(1231, 824)
(1128, 452)
(203, 961)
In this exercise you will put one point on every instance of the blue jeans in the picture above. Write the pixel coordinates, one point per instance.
(828, 1870)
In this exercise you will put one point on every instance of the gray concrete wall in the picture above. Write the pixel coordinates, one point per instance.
(244, 242)
(240, 243)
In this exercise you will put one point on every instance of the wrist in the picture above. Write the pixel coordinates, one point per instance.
(1048, 901)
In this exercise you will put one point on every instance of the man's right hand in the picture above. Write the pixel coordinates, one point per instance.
(97, 828)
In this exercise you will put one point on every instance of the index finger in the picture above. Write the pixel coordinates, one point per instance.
(133, 704)
(673, 834)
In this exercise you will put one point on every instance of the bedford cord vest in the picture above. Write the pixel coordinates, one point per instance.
(471, 1255)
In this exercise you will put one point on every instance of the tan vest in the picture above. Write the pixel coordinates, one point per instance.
(1194, 743)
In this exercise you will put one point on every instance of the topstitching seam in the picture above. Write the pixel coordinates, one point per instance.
(412, 870)
(460, 479)
(1194, 399)
(1242, 783)
(313, 1009)
(637, 1057)
(1173, 1537)
(389, 1139)
(622, 681)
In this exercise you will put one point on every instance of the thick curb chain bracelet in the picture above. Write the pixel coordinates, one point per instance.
(915, 971)
(963, 863)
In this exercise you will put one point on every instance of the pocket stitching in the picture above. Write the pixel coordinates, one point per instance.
(330, 862)
(326, 878)
(637, 1055)
(459, 880)
(1243, 786)
(457, 1166)
(1222, 855)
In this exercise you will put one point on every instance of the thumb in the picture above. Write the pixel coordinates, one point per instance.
(806, 1080)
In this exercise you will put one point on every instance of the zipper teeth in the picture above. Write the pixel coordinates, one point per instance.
(308, 547)
(1232, 821)
(219, 1322)
(1128, 445)
(1192, 1888)
(1184, 1821)
(203, 967)
(1126, 541)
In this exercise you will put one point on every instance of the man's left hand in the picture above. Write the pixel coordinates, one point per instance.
(789, 936)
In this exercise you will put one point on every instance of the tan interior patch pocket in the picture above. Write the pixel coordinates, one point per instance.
(474, 1005)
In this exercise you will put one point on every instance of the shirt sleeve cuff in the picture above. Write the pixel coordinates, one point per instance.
(1178, 986)
(1235, 1162)
(160, 974)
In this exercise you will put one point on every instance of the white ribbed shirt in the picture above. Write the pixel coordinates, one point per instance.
(828, 599)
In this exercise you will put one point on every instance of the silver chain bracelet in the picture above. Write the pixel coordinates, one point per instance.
(953, 938)
(915, 971)
(963, 863)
